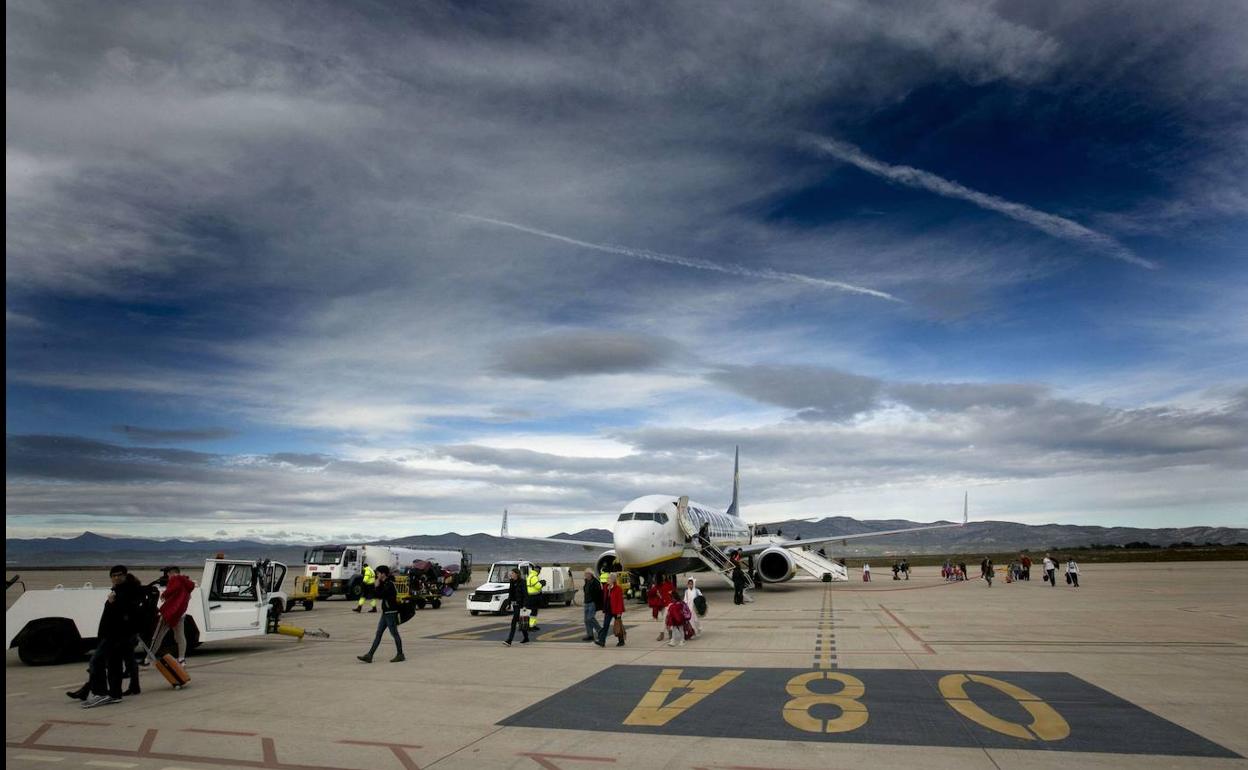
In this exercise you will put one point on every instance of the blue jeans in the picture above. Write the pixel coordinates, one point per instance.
(388, 620)
(591, 620)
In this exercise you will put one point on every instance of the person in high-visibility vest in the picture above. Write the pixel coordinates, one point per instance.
(370, 580)
(533, 587)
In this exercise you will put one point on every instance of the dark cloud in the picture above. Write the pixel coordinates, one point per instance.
(577, 353)
(816, 393)
(172, 435)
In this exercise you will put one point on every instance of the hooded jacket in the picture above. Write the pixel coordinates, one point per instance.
(177, 598)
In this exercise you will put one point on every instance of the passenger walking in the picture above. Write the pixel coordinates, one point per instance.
(118, 625)
(738, 585)
(986, 570)
(613, 613)
(1026, 563)
(905, 568)
(174, 603)
(1072, 572)
(369, 592)
(674, 622)
(866, 572)
(692, 594)
(1050, 571)
(385, 590)
(591, 593)
(517, 594)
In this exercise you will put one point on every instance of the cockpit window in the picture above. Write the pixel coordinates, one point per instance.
(625, 517)
(644, 516)
(660, 517)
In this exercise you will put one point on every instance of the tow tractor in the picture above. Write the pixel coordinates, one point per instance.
(491, 596)
(234, 599)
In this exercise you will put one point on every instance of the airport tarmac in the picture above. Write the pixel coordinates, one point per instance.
(1145, 665)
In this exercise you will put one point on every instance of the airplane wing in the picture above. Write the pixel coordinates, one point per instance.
(772, 542)
(503, 533)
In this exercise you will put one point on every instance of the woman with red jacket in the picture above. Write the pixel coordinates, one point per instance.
(174, 603)
(613, 612)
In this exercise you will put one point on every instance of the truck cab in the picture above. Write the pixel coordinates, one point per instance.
(491, 596)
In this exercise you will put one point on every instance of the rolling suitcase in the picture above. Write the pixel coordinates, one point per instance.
(169, 668)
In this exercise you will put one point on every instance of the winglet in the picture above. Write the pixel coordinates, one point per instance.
(503, 532)
(966, 500)
(736, 483)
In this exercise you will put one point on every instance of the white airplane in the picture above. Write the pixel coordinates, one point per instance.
(668, 535)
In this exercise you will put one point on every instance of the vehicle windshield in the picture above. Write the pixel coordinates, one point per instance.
(499, 573)
(322, 556)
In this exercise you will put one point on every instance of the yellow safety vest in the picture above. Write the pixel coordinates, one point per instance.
(370, 577)
(532, 584)
(605, 577)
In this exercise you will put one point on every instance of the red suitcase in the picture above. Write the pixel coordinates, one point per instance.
(169, 668)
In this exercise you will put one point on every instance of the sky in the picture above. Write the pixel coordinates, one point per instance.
(328, 271)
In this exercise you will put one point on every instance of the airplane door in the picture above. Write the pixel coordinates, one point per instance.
(234, 603)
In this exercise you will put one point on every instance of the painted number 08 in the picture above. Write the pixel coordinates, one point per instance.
(1046, 724)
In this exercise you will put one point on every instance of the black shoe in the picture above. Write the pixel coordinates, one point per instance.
(525, 640)
(373, 610)
(358, 608)
(587, 638)
(506, 642)
(534, 628)
(364, 658)
(398, 658)
(600, 644)
(620, 643)
(80, 694)
(132, 691)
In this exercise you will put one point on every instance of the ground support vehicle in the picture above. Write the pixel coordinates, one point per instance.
(491, 596)
(234, 599)
(304, 593)
(419, 592)
(340, 568)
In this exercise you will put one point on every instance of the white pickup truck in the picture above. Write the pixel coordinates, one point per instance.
(491, 596)
(234, 599)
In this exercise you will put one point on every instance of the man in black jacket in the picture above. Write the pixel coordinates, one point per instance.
(118, 625)
(383, 589)
(591, 593)
(738, 585)
(517, 594)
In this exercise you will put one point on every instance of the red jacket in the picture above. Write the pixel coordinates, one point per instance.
(177, 598)
(615, 599)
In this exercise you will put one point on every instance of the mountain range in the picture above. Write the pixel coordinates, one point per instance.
(90, 549)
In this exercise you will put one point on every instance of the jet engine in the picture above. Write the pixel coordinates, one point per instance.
(775, 565)
(606, 563)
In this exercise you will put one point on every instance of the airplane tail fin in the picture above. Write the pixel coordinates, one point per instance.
(503, 532)
(966, 502)
(736, 484)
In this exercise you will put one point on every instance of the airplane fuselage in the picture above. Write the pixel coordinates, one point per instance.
(648, 537)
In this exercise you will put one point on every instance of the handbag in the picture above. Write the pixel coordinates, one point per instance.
(617, 626)
(1067, 578)
(525, 612)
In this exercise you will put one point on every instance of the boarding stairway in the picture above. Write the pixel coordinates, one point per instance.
(817, 565)
(710, 554)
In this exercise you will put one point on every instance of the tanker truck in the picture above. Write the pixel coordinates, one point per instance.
(340, 568)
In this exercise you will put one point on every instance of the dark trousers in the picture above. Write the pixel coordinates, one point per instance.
(109, 665)
(607, 619)
(1052, 573)
(517, 621)
(388, 620)
(1074, 578)
(591, 619)
(738, 596)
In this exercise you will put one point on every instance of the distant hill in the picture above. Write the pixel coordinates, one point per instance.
(92, 549)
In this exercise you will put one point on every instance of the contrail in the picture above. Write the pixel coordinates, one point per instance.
(673, 259)
(1059, 227)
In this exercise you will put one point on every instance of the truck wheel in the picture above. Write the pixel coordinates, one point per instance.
(47, 641)
(420, 604)
(568, 603)
(473, 613)
(355, 590)
(290, 604)
(308, 604)
(437, 604)
(192, 634)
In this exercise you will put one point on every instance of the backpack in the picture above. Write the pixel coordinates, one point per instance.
(699, 604)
